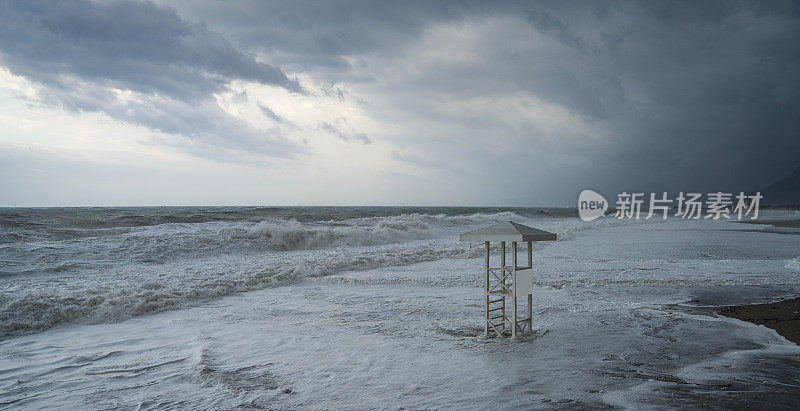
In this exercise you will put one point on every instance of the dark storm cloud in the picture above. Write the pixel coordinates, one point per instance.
(319, 34)
(711, 92)
(701, 94)
(82, 49)
(135, 45)
(698, 95)
(547, 24)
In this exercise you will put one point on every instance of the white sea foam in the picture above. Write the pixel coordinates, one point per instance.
(168, 266)
(293, 235)
(623, 315)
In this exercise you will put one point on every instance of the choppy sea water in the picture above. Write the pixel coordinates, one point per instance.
(358, 308)
(94, 265)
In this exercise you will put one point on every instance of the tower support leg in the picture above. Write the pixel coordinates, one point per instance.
(503, 271)
(514, 324)
(530, 296)
(486, 294)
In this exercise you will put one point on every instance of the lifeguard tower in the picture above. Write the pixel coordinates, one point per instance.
(508, 281)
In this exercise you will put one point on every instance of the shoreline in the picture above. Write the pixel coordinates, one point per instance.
(782, 316)
(789, 226)
(788, 223)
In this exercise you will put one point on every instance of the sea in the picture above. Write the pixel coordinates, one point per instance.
(381, 308)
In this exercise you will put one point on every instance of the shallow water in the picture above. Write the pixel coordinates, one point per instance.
(100, 265)
(623, 316)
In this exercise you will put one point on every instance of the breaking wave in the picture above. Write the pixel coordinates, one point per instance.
(33, 312)
(293, 235)
(134, 271)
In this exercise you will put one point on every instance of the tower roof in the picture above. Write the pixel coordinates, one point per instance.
(509, 232)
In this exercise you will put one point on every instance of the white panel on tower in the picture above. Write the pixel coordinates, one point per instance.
(524, 284)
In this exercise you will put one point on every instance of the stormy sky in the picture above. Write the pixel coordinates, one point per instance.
(383, 103)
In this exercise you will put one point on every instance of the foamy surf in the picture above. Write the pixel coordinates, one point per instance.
(623, 316)
(108, 269)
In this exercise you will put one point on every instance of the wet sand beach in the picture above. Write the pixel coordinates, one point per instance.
(783, 316)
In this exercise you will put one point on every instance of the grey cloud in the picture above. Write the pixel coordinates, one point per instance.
(363, 138)
(331, 90)
(553, 26)
(320, 35)
(329, 128)
(333, 130)
(682, 92)
(699, 92)
(81, 50)
(204, 122)
(271, 114)
(128, 44)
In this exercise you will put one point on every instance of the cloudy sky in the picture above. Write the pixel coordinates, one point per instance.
(401, 102)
